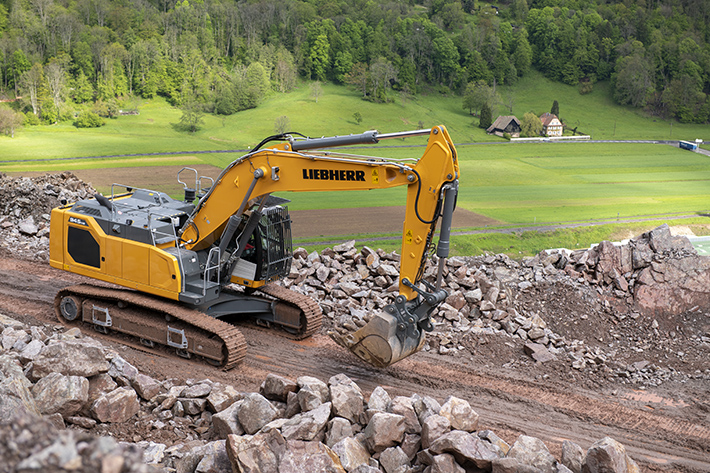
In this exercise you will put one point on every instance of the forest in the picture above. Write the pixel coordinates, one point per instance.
(81, 60)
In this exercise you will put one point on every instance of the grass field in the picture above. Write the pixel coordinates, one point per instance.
(154, 129)
(515, 183)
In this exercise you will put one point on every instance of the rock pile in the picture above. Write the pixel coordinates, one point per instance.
(654, 275)
(25, 207)
(289, 426)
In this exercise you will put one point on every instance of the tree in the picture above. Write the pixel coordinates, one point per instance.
(633, 81)
(32, 82)
(382, 75)
(10, 121)
(192, 115)
(284, 74)
(522, 55)
(358, 77)
(477, 95)
(555, 110)
(316, 90)
(56, 82)
(486, 118)
(319, 57)
(358, 117)
(82, 90)
(531, 125)
(282, 124)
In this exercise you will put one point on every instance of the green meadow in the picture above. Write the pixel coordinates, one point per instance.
(517, 184)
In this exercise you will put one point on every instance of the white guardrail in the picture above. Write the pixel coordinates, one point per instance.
(554, 138)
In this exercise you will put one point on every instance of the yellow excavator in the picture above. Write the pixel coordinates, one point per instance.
(187, 269)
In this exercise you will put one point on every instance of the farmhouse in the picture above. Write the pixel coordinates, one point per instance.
(551, 125)
(505, 124)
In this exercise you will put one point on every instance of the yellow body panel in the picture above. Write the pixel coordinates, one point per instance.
(124, 262)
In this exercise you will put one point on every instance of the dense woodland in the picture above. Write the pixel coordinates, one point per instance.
(222, 56)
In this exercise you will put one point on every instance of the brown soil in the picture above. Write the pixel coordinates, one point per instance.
(665, 428)
(306, 223)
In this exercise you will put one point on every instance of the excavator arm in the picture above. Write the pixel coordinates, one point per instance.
(302, 165)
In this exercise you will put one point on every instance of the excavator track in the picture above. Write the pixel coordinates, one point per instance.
(151, 321)
(311, 315)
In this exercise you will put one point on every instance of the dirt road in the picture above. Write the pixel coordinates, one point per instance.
(511, 398)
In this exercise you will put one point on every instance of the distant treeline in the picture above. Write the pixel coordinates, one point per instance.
(225, 56)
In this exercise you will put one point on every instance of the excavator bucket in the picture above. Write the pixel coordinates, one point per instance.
(379, 344)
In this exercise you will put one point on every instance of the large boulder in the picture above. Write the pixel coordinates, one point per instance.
(346, 397)
(466, 449)
(254, 412)
(532, 451)
(384, 430)
(71, 358)
(56, 393)
(608, 456)
(351, 453)
(460, 414)
(118, 405)
(308, 425)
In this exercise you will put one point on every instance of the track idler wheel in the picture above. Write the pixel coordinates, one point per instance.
(70, 308)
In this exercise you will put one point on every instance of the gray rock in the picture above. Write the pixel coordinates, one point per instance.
(346, 397)
(496, 441)
(394, 460)
(215, 459)
(121, 368)
(197, 390)
(221, 397)
(445, 463)
(460, 414)
(72, 358)
(66, 395)
(254, 412)
(404, 406)
(511, 465)
(226, 422)
(307, 425)
(572, 456)
(532, 451)
(338, 429)
(538, 352)
(351, 453)
(312, 392)
(118, 405)
(31, 351)
(28, 226)
(379, 400)
(465, 448)
(193, 406)
(308, 456)
(145, 386)
(608, 456)
(383, 431)
(434, 427)
(16, 399)
(277, 388)
(426, 406)
(258, 454)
